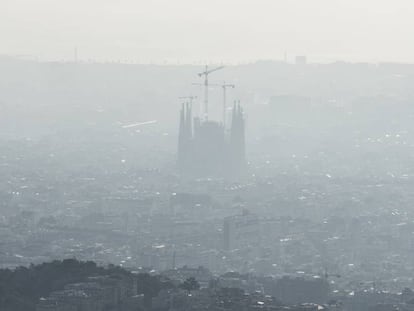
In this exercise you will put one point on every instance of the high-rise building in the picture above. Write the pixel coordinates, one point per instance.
(207, 149)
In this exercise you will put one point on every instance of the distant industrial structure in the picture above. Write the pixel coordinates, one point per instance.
(208, 148)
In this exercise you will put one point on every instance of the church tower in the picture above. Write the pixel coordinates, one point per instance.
(206, 149)
(237, 146)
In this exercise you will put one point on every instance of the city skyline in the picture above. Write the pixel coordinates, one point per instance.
(191, 31)
(284, 183)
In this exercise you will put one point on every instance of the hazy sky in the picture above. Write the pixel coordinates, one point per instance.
(214, 30)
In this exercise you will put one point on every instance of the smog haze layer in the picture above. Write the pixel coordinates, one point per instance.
(208, 31)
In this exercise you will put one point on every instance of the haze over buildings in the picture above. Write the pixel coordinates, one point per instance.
(132, 179)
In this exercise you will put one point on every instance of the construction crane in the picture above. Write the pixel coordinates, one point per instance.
(191, 98)
(224, 87)
(205, 73)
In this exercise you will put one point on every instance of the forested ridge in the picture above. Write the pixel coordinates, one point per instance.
(21, 288)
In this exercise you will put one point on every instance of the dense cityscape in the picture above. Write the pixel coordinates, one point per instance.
(317, 216)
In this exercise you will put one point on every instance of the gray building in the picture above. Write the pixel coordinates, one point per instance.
(207, 149)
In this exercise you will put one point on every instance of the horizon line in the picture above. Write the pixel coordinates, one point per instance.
(37, 59)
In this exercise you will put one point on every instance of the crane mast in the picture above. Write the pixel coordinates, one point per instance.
(206, 73)
(225, 86)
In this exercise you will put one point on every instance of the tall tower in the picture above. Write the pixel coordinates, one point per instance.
(237, 145)
(185, 138)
